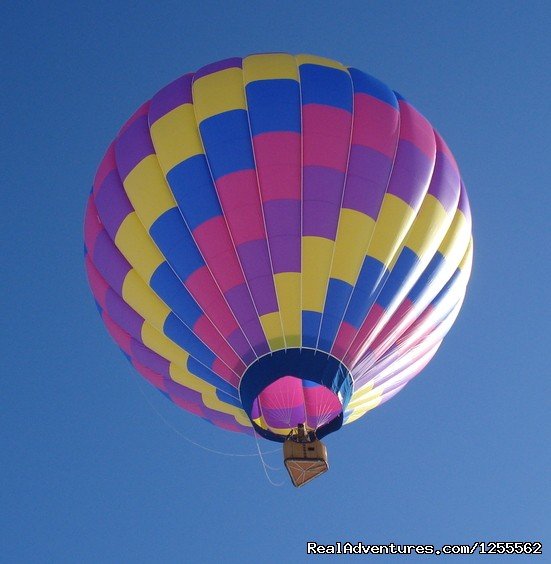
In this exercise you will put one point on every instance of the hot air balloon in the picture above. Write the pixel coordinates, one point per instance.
(279, 244)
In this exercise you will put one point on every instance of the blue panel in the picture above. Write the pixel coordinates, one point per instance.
(230, 400)
(176, 331)
(325, 85)
(368, 84)
(176, 243)
(370, 281)
(309, 384)
(338, 294)
(329, 327)
(274, 105)
(175, 295)
(191, 184)
(404, 265)
(426, 278)
(310, 328)
(227, 141)
(209, 376)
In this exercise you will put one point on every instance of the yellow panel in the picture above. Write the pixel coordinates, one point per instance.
(429, 227)
(141, 298)
(175, 137)
(208, 393)
(316, 261)
(314, 60)
(394, 221)
(288, 296)
(456, 240)
(183, 376)
(283, 432)
(354, 233)
(148, 192)
(261, 422)
(467, 259)
(266, 67)
(163, 346)
(217, 93)
(360, 411)
(136, 246)
(271, 323)
(360, 395)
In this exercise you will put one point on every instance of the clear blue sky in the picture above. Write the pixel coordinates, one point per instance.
(88, 470)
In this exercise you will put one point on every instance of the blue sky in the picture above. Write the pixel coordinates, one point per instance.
(91, 473)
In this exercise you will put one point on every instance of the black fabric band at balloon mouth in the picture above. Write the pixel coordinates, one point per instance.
(306, 364)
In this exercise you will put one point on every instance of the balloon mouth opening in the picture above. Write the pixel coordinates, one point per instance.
(289, 387)
(289, 402)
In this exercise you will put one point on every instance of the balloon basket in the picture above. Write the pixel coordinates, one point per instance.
(305, 457)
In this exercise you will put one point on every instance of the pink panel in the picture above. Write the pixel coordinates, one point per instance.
(122, 338)
(207, 333)
(218, 367)
(151, 376)
(392, 327)
(187, 405)
(278, 160)
(370, 322)
(343, 339)
(106, 166)
(98, 285)
(443, 148)
(238, 193)
(379, 124)
(213, 240)
(326, 136)
(92, 225)
(204, 290)
(417, 130)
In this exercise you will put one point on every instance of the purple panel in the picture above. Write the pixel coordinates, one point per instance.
(285, 253)
(256, 265)
(283, 230)
(255, 412)
(463, 204)
(182, 392)
(239, 300)
(366, 181)
(320, 219)
(150, 359)
(175, 94)
(256, 336)
(218, 66)
(263, 291)
(254, 258)
(282, 217)
(322, 183)
(133, 146)
(123, 315)
(239, 344)
(109, 262)
(242, 306)
(444, 185)
(112, 203)
(322, 194)
(284, 417)
(411, 174)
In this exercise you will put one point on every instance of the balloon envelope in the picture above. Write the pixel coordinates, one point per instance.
(278, 239)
